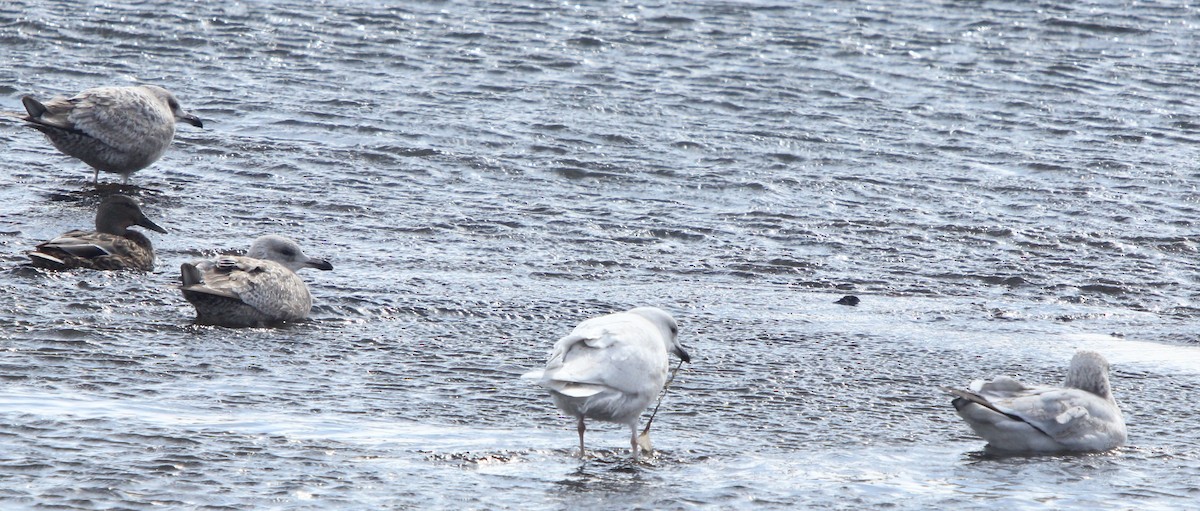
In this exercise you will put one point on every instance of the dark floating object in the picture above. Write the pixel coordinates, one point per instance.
(850, 300)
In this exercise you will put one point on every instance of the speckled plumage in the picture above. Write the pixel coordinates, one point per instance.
(114, 129)
(110, 247)
(256, 290)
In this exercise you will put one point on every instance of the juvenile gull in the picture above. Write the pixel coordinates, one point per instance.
(611, 367)
(256, 290)
(114, 129)
(112, 246)
(1080, 416)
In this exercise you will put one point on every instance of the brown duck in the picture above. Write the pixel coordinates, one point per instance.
(112, 246)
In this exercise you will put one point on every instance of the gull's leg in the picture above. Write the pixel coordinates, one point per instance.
(643, 442)
(581, 429)
(633, 440)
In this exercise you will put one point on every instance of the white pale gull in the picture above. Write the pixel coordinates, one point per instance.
(610, 368)
(114, 129)
(1080, 416)
(256, 290)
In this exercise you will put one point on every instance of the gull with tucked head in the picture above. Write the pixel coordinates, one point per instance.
(114, 129)
(256, 290)
(1080, 416)
(610, 368)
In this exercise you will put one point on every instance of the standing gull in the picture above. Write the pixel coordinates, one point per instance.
(1080, 416)
(611, 367)
(114, 129)
(112, 246)
(256, 290)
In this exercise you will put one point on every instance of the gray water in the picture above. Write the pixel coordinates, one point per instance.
(1002, 183)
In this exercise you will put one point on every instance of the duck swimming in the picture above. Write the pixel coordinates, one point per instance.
(112, 246)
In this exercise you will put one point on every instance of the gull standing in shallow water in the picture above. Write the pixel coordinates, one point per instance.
(611, 367)
(112, 246)
(256, 290)
(114, 129)
(1080, 416)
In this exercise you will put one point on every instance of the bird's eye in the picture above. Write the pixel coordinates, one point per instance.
(287, 252)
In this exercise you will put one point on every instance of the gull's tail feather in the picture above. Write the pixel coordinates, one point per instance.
(575, 389)
(33, 106)
(964, 397)
(190, 274)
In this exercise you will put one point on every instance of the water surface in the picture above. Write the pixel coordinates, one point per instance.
(1002, 183)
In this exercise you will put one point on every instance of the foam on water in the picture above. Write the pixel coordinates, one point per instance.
(393, 435)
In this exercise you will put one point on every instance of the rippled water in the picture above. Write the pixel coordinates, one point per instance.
(1000, 182)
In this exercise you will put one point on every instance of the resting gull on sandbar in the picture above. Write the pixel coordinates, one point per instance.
(1080, 416)
(112, 246)
(259, 289)
(114, 129)
(610, 368)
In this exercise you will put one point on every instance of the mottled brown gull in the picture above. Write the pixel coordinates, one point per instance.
(256, 290)
(1080, 416)
(610, 368)
(112, 246)
(114, 129)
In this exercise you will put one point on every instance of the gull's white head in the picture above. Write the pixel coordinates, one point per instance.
(1089, 371)
(286, 252)
(667, 326)
(172, 104)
